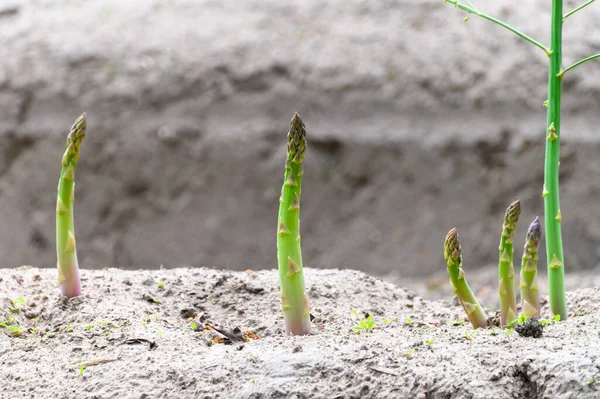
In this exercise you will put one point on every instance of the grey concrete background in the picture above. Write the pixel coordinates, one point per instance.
(417, 122)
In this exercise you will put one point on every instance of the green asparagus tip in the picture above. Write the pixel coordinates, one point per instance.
(76, 136)
(296, 139)
(534, 232)
(512, 214)
(452, 248)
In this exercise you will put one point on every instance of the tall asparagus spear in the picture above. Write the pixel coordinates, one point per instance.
(529, 283)
(453, 257)
(68, 270)
(289, 253)
(506, 270)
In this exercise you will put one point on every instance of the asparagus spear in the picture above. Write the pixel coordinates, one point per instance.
(68, 270)
(453, 257)
(529, 284)
(289, 253)
(506, 270)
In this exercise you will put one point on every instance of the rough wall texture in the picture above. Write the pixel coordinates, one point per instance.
(417, 122)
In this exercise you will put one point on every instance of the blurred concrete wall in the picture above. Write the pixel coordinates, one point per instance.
(417, 122)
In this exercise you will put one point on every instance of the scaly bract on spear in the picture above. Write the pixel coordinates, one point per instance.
(530, 296)
(289, 253)
(453, 257)
(506, 270)
(68, 269)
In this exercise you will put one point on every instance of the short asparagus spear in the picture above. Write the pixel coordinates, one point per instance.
(68, 270)
(529, 283)
(453, 257)
(506, 270)
(289, 253)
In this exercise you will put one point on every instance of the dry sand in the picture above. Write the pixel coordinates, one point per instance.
(131, 335)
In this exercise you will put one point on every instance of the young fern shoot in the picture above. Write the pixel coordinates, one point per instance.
(453, 257)
(506, 270)
(530, 296)
(289, 253)
(68, 269)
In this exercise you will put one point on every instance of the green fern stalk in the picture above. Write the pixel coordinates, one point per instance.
(552, 214)
(289, 253)
(68, 269)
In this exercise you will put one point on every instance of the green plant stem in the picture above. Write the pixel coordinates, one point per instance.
(289, 253)
(530, 298)
(506, 270)
(567, 15)
(453, 257)
(552, 214)
(68, 268)
(591, 57)
(498, 22)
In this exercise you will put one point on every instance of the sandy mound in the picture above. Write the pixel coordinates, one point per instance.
(143, 334)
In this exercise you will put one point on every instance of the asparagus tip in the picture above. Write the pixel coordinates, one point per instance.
(296, 139)
(535, 230)
(511, 217)
(76, 136)
(452, 248)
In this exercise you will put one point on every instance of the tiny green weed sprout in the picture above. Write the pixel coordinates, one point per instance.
(294, 302)
(160, 286)
(453, 257)
(68, 268)
(366, 325)
(530, 297)
(16, 308)
(15, 330)
(88, 326)
(81, 369)
(506, 270)
(430, 342)
(18, 301)
(409, 320)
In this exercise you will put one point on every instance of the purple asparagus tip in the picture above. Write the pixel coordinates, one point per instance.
(534, 232)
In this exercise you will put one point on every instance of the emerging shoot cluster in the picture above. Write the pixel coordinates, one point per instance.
(506, 272)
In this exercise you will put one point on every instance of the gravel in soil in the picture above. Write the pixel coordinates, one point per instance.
(204, 333)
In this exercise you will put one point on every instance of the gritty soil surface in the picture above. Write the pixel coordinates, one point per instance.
(417, 122)
(155, 334)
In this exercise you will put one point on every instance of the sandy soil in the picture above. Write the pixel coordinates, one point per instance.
(144, 334)
(417, 123)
